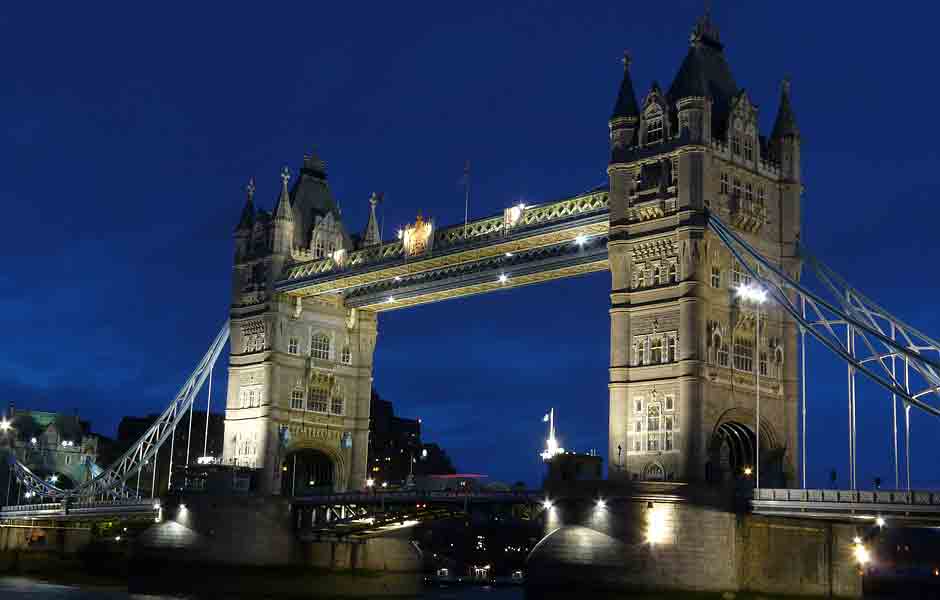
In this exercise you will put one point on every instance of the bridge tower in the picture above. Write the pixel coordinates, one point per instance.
(300, 372)
(682, 360)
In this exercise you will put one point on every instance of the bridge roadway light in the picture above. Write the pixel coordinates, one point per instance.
(370, 482)
(880, 522)
(4, 425)
(503, 278)
(601, 503)
(580, 240)
(547, 504)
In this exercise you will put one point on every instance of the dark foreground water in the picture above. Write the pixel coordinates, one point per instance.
(17, 588)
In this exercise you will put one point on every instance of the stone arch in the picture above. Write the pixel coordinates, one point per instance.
(746, 416)
(654, 472)
(328, 450)
(732, 449)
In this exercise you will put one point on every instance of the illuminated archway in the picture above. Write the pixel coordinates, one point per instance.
(307, 472)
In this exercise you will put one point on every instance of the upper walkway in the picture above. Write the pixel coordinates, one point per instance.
(850, 505)
(526, 244)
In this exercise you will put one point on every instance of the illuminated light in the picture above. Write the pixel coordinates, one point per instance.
(546, 504)
(880, 522)
(5, 425)
(862, 555)
(205, 460)
(397, 278)
(33, 441)
(509, 255)
(748, 471)
(936, 572)
(580, 240)
(156, 505)
(54, 479)
(752, 293)
(656, 526)
(503, 278)
(28, 494)
(182, 506)
(401, 233)
(117, 538)
(390, 300)
(385, 484)
(856, 540)
(601, 503)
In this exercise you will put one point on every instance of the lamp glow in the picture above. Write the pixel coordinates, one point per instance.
(53, 479)
(862, 554)
(752, 293)
(656, 526)
(748, 471)
(880, 522)
(580, 240)
(601, 503)
(546, 504)
(503, 278)
(370, 482)
(390, 299)
(4, 425)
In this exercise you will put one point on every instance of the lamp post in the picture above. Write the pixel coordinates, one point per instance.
(758, 296)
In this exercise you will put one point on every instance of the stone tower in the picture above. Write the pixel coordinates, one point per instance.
(683, 359)
(300, 373)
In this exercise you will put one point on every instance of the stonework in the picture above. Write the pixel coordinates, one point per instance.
(300, 373)
(677, 326)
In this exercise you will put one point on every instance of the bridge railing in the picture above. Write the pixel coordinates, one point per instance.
(926, 498)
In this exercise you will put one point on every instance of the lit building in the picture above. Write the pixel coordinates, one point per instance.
(684, 349)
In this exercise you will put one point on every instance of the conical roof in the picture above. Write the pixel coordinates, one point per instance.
(785, 124)
(283, 210)
(311, 198)
(626, 105)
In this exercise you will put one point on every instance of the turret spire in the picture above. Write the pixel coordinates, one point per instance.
(248, 212)
(785, 124)
(626, 105)
(371, 235)
(283, 211)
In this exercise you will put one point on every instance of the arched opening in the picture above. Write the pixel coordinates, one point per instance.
(307, 472)
(654, 472)
(731, 452)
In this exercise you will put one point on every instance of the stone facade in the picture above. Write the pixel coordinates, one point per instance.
(300, 372)
(682, 361)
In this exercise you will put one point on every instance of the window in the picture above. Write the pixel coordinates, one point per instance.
(638, 427)
(636, 354)
(739, 276)
(318, 400)
(723, 355)
(657, 350)
(637, 276)
(250, 397)
(346, 355)
(636, 444)
(743, 354)
(338, 402)
(657, 275)
(675, 171)
(748, 148)
(68, 459)
(716, 277)
(319, 249)
(725, 188)
(736, 143)
(670, 405)
(763, 364)
(297, 399)
(737, 188)
(292, 346)
(673, 272)
(638, 406)
(667, 441)
(654, 130)
(749, 193)
(760, 195)
(652, 418)
(320, 346)
(671, 354)
(667, 423)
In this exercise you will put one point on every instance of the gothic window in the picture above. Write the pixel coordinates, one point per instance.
(716, 277)
(297, 399)
(724, 183)
(636, 444)
(638, 406)
(657, 350)
(763, 364)
(667, 441)
(760, 195)
(743, 354)
(338, 402)
(319, 248)
(637, 276)
(657, 274)
(723, 355)
(320, 346)
(748, 148)
(652, 428)
(736, 144)
(671, 349)
(737, 187)
(654, 472)
(635, 355)
(675, 172)
(670, 405)
(673, 272)
(739, 276)
(292, 345)
(654, 129)
(250, 397)
(346, 355)
(667, 423)
(318, 399)
(749, 193)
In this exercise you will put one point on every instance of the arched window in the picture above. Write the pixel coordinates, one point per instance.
(673, 273)
(736, 143)
(654, 127)
(318, 399)
(763, 364)
(743, 354)
(338, 402)
(654, 472)
(656, 356)
(653, 415)
(748, 148)
(346, 355)
(722, 355)
(320, 346)
(671, 354)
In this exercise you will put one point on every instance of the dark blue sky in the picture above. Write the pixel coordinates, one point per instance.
(129, 131)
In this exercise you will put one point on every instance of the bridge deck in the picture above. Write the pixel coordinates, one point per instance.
(853, 505)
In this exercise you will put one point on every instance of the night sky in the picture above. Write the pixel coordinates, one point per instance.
(129, 133)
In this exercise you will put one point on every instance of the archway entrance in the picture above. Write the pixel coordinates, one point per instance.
(307, 472)
(731, 452)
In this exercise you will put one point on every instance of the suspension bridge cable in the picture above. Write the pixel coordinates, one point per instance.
(205, 441)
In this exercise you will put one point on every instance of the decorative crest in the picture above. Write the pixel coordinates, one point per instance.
(627, 60)
(250, 188)
(285, 176)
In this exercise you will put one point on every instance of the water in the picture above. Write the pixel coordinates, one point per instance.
(17, 588)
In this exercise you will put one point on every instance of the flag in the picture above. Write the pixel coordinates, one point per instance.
(545, 418)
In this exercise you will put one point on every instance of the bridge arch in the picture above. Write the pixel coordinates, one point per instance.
(732, 448)
(310, 468)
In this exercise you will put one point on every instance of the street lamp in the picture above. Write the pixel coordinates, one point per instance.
(757, 295)
(5, 425)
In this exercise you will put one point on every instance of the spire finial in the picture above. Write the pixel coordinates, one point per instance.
(785, 85)
(285, 176)
(250, 188)
(627, 60)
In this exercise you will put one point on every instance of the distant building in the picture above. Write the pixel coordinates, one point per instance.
(130, 429)
(58, 447)
(574, 466)
(396, 449)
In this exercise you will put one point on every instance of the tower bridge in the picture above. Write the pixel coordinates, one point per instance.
(713, 302)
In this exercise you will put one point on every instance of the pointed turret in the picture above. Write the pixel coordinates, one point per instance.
(248, 212)
(371, 235)
(785, 125)
(626, 105)
(283, 211)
